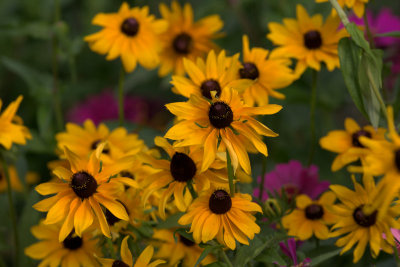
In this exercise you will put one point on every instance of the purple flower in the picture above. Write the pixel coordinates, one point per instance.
(293, 179)
(104, 106)
(384, 22)
(290, 251)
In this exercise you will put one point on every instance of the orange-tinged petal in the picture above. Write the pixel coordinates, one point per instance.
(126, 254)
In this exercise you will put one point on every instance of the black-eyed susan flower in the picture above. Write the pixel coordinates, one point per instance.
(223, 124)
(347, 142)
(182, 250)
(82, 191)
(363, 219)
(83, 140)
(311, 217)
(126, 258)
(185, 38)
(183, 167)
(216, 214)
(213, 74)
(268, 74)
(73, 251)
(358, 6)
(308, 40)
(11, 128)
(131, 33)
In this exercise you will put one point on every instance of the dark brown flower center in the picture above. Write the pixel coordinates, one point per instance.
(312, 39)
(182, 167)
(96, 143)
(118, 263)
(83, 184)
(397, 159)
(220, 202)
(182, 43)
(314, 212)
(220, 115)
(72, 243)
(186, 242)
(249, 71)
(130, 27)
(362, 219)
(126, 174)
(355, 137)
(208, 86)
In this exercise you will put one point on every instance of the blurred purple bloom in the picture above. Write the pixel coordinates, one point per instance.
(290, 251)
(293, 179)
(396, 234)
(384, 22)
(104, 106)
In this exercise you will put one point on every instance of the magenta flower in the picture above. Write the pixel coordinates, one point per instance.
(396, 235)
(293, 179)
(290, 251)
(384, 22)
(104, 106)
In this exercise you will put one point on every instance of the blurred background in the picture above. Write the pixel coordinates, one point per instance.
(29, 29)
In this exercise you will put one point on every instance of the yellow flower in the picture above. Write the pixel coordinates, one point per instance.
(184, 251)
(311, 217)
(31, 178)
(358, 6)
(216, 215)
(73, 251)
(224, 123)
(84, 140)
(364, 219)
(213, 74)
(84, 186)
(126, 257)
(185, 38)
(268, 73)
(183, 167)
(347, 142)
(308, 40)
(131, 34)
(11, 128)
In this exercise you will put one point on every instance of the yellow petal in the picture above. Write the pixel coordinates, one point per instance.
(126, 254)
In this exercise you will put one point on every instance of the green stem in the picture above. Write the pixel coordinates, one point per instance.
(225, 257)
(396, 255)
(121, 97)
(312, 114)
(263, 171)
(231, 176)
(368, 30)
(56, 91)
(12, 209)
(377, 93)
(191, 189)
(111, 245)
(340, 11)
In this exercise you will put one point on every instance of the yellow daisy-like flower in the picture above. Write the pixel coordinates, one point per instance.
(213, 74)
(84, 140)
(73, 251)
(363, 219)
(217, 215)
(185, 38)
(183, 251)
(224, 123)
(126, 257)
(183, 167)
(131, 34)
(11, 128)
(311, 217)
(84, 186)
(268, 73)
(358, 6)
(347, 142)
(308, 40)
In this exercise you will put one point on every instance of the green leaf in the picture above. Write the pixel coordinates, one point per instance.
(357, 36)
(183, 232)
(244, 254)
(171, 221)
(271, 256)
(323, 257)
(389, 34)
(350, 56)
(204, 254)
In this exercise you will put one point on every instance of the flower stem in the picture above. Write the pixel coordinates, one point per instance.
(191, 189)
(368, 30)
(312, 114)
(396, 256)
(231, 176)
(340, 11)
(225, 257)
(263, 171)
(12, 209)
(121, 97)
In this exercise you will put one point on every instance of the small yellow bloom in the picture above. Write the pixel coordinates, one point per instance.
(132, 34)
(358, 6)
(308, 40)
(11, 128)
(311, 217)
